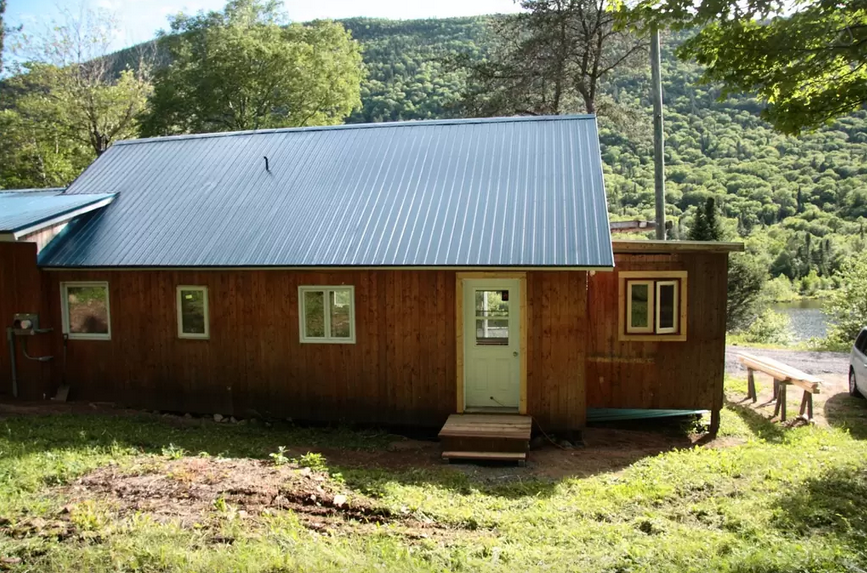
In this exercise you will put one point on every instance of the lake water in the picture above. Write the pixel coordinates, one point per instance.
(808, 320)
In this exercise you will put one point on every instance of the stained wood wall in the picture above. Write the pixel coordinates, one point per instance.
(668, 375)
(400, 371)
(557, 330)
(21, 290)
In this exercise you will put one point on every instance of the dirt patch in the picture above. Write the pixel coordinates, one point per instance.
(817, 363)
(193, 491)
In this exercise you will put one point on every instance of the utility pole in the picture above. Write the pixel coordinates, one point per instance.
(658, 143)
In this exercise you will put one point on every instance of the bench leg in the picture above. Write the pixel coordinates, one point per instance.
(776, 399)
(782, 401)
(807, 406)
(751, 385)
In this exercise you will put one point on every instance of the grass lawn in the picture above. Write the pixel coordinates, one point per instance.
(105, 492)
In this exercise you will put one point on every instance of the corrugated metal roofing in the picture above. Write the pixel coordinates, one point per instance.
(23, 208)
(517, 192)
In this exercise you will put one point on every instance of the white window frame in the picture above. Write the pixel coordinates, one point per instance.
(675, 309)
(194, 336)
(630, 329)
(302, 322)
(64, 305)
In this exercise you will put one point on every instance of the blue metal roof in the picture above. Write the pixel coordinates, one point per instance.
(25, 208)
(515, 192)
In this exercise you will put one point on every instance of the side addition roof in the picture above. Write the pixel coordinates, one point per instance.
(27, 210)
(513, 192)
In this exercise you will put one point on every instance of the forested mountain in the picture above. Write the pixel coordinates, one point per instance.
(801, 203)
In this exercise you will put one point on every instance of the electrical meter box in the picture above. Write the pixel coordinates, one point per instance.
(25, 324)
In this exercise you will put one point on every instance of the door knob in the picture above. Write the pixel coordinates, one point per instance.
(515, 353)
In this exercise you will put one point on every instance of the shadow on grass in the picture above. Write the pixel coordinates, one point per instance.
(832, 503)
(847, 412)
(150, 434)
(760, 426)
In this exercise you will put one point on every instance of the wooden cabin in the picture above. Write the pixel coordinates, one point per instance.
(393, 274)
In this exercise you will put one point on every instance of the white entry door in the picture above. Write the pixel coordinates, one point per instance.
(492, 361)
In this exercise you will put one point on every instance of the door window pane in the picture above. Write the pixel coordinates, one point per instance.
(340, 316)
(314, 314)
(492, 332)
(87, 308)
(492, 303)
(492, 317)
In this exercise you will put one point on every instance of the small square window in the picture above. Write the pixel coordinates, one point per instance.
(327, 314)
(653, 305)
(193, 312)
(86, 311)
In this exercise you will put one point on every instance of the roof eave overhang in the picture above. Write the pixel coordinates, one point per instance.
(57, 218)
(462, 268)
(669, 247)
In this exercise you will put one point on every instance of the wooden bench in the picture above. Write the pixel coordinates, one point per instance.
(784, 376)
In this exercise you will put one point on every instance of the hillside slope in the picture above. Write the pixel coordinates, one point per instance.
(801, 203)
(775, 188)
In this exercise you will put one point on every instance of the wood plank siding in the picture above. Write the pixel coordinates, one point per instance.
(21, 290)
(401, 370)
(659, 374)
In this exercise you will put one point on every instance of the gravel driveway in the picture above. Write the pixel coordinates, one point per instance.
(811, 362)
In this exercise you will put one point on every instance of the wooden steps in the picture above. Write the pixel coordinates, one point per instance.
(500, 437)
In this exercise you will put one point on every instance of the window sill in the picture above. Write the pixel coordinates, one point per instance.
(327, 341)
(652, 337)
(88, 336)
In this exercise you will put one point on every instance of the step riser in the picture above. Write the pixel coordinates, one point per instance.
(483, 444)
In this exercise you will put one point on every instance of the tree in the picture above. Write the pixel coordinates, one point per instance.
(239, 69)
(807, 61)
(2, 31)
(68, 78)
(550, 59)
(706, 225)
(746, 281)
(846, 306)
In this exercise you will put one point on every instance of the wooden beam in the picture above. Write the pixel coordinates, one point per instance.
(782, 372)
(665, 247)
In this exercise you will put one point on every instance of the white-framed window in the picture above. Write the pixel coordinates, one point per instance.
(86, 310)
(193, 321)
(652, 305)
(327, 314)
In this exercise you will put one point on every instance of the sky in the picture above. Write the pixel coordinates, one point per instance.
(140, 19)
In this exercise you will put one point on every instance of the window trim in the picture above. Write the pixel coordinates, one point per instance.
(327, 339)
(679, 334)
(651, 301)
(657, 308)
(180, 314)
(64, 310)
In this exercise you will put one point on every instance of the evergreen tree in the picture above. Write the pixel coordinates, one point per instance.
(706, 226)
